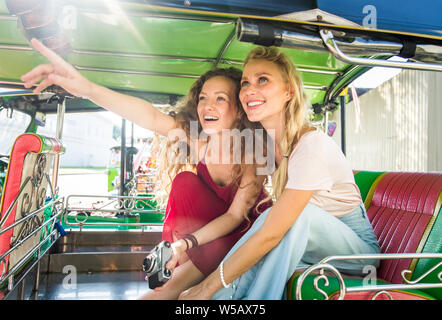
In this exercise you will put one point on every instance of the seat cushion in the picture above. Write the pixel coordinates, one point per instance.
(401, 212)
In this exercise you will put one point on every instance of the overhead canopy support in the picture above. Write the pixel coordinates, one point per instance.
(265, 33)
(329, 41)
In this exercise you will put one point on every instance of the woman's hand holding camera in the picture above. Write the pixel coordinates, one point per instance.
(178, 251)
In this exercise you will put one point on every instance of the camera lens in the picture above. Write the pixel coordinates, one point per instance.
(148, 263)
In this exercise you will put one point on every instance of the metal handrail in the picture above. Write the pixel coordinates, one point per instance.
(126, 204)
(24, 260)
(331, 45)
(325, 264)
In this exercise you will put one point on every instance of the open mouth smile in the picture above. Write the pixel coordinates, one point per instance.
(210, 118)
(254, 104)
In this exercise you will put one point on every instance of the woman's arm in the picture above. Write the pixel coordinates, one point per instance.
(244, 199)
(63, 74)
(281, 217)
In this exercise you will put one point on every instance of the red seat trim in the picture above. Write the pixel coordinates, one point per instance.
(22, 146)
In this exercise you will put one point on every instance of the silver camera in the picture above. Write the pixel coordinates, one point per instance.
(155, 264)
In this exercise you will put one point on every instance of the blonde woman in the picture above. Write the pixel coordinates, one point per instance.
(209, 207)
(318, 210)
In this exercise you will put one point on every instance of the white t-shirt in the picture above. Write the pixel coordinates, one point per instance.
(318, 164)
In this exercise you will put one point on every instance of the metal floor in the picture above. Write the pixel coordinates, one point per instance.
(93, 286)
(103, 265)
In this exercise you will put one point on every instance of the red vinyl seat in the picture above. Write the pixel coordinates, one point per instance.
(402, 207)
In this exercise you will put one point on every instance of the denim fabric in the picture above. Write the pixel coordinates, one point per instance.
(315, 235)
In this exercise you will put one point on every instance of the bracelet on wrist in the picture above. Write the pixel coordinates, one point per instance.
(221, 273)
(187, 243)
(192, 239)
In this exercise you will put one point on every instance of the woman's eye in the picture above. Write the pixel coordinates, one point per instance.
(244, 83)
(262, 80)
(202, 98)
(221, 99)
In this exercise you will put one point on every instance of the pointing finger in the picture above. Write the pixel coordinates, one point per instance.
(43, 85)
(51, 55)
(37, 73)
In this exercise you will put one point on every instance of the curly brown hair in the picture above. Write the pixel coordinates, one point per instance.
(184, 113)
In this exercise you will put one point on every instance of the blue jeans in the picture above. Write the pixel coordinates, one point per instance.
(315, 235)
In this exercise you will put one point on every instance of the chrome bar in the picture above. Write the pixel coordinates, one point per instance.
(14, 47)
(61, 109)
(10, 275)
(30, 215)
(12, 205)
(322, 88)
(395, 287)
(324, 264)
(224, 48)
(8, 18)
(384, 256)
(249, 31)
(124, 204)
(31, 234)
(330, 43)
(139, 56)
(146, 73)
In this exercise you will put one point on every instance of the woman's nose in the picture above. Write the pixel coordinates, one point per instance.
(208, 105)
(248, 90)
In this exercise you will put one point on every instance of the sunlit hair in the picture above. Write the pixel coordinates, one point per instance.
(295, 114)
(184, 113)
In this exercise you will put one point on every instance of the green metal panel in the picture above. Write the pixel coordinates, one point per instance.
(150, 49)
(138, 48)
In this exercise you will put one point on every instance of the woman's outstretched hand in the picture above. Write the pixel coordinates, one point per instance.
(58, 72)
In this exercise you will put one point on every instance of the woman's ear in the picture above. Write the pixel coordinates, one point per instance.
(290, 93)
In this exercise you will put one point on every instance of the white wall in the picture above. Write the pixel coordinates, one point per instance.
(86, 136)
(398, 127)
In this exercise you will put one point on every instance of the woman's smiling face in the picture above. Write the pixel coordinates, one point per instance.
(217, 105)
(264, 92)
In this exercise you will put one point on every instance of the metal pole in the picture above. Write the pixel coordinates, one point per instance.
(342, 101)
(61, 108)
(123, 158)
(37, 275)
(132, 135)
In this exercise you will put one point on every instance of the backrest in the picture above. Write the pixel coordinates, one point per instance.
(25, 189)
(402, 212)
(367, 182)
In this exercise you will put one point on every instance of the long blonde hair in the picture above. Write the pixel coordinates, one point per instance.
(186, 111)
(295, 114)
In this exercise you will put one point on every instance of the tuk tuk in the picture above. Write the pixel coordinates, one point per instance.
(54, 247)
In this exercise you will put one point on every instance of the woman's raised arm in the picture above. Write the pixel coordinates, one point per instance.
(61, 73)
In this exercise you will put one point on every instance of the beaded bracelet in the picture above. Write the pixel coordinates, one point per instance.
(222, 275)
